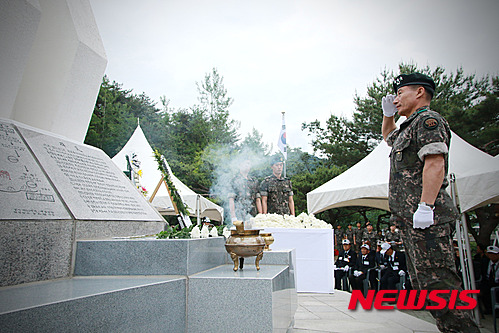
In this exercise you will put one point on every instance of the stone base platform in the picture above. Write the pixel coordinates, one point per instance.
(96, 304)
(129, 286)
(221, 300)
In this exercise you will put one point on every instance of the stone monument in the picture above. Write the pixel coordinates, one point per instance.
(55, 190)
(51, 64)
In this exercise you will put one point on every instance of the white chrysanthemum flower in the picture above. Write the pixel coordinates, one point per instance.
(214, 232)
(195, 232)
(205, 232)
(226, 232)
(303, 220)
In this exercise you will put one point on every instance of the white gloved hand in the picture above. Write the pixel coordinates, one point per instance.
(357, 273)
(389, 109)
(401, 273)
(346, 268)
(423, 217)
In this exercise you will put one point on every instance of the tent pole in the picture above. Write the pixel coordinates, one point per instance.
(463, 242)
(153, 195)
(198, 208)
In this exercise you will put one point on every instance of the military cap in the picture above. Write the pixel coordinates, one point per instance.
(385, 247)
(345, 241)
(492, 249)
(276, 159)
(365, 245)
(414, 79)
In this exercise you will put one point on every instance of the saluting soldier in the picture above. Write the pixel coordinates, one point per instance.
(276, 191)
(419, 203)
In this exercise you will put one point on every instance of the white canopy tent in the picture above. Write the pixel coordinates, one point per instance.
(366, 183)
(138, 145)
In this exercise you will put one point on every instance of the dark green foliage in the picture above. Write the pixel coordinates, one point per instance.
(174, 232)
(177, 200)
(115, 117)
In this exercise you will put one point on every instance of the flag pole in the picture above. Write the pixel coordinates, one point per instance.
(285, 148)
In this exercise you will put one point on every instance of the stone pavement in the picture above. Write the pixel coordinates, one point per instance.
(329, 313)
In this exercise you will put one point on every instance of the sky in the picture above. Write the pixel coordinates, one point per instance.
(307, 58)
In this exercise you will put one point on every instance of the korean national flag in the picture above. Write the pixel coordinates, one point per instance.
(281, 143)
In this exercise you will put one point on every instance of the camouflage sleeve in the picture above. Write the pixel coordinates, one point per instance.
(255, 190)
(432, 137)
(264, 188)
(392, 136)
(290, 193)
(232, 191)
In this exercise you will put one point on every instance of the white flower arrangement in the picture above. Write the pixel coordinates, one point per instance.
(205, 232)
(226, 232)
(214, 232)
(195, 232)
(301, 221)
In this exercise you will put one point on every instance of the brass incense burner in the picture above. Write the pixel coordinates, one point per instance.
(269, 239)
(245, 243)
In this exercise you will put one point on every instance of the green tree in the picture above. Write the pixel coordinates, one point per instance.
(191, 134)
(253, 141)
(215, 103)
(115, 117)
(112, 122)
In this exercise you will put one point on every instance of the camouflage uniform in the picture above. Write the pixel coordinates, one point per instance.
(338, 237)
(372, 237)
(430, 255)
(349, 233)
(358, 238)
(244, 192)
(392, 236)
(277, 191)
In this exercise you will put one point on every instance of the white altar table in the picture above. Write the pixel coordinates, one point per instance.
(314, 256)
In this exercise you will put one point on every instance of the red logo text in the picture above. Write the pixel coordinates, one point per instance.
(414, 299)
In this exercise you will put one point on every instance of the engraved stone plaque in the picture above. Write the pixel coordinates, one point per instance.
(25, 191)
(88, 181)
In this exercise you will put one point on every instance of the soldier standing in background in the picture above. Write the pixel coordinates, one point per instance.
(349, 233)
(276, 191)
(393, 237)
(369, 235)
(419, 203)
(358, 237)
(338, 237)
(244, 197)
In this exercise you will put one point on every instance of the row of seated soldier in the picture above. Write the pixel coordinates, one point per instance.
(385, 268)
(382, 269)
